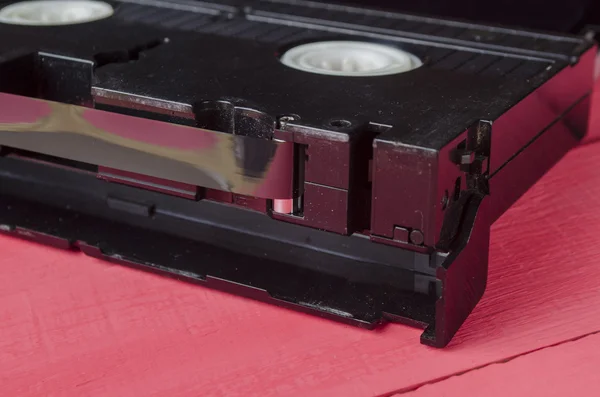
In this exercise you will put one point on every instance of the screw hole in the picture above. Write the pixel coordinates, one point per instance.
(340, 123)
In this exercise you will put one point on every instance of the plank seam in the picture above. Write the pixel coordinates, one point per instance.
(410, 389)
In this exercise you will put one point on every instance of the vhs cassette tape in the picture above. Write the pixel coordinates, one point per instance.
(336, 160)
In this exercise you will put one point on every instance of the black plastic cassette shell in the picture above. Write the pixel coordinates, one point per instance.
(472, 74)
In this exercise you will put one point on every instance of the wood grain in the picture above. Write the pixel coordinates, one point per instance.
(76, 326)
(568, 369)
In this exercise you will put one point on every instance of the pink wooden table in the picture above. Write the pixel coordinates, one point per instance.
(71, 325)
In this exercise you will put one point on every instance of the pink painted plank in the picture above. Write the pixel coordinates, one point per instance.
(568, 369)
(75, 326)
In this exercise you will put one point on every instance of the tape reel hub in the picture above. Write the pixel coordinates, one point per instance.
(55, 12)
(350, 58)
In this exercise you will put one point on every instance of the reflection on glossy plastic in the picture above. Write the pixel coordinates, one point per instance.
(234, 163)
